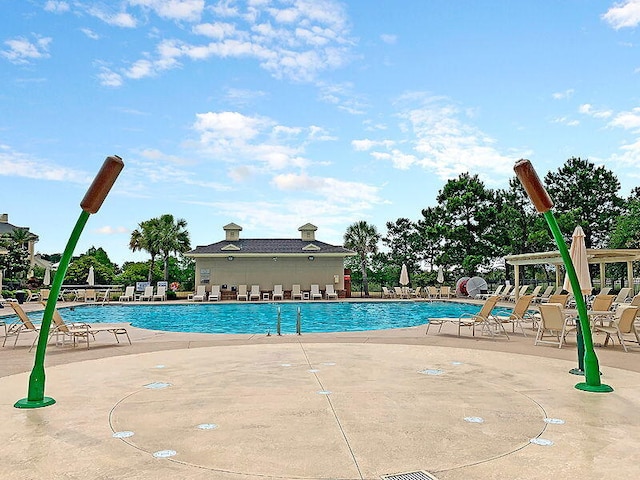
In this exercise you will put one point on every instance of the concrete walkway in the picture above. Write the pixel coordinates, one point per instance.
(319, 406)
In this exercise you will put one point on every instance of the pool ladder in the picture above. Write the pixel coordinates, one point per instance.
(298, 323)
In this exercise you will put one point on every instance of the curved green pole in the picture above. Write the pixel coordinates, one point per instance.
(91, 203)
(591, 367)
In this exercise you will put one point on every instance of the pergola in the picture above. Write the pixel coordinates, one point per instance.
(599, 256)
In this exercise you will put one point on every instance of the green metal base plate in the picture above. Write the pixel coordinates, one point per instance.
(576, 371)
(26, 403)
(602, 388)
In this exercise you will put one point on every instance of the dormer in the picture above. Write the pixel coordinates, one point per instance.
(232, 232)
(308, 232)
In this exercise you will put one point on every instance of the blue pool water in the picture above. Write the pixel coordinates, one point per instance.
(259, 318)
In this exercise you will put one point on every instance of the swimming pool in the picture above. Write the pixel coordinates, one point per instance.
(260, 318)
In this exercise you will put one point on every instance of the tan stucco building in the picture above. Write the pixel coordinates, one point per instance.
(267, 262)
(6, 228)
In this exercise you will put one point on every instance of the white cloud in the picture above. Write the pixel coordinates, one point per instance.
(22, 51)
(587, 109)
(624, 14)
(18, 164)
(217, 30)
(563, 95)
(109, 78)
(90, 33)
(117, 19)
(566, 121)
(388, 38)
(188, 10)
(56, 7)
(339, 191)
(366, 144)
(628, 120)
(342, 95)
(109, 230)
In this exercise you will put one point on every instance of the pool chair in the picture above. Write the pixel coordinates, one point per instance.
(545, 295)
(277, 294)
(315, 292)
(242, 293)
(433, 292)
(622, 296)
(386, 293)
(90, 295)
(330, 293)
(82, 331)
(506, 292)
(483, 319)
(519, 314)
(201, 293)
(214, 296)
(295, 292)
(484, 296)
(147, 294)
(561, 299)
(254, 294)
(161, 294)
(128, 295)
(622, 323)
(445, 291)
(22, 325)
(553, 321)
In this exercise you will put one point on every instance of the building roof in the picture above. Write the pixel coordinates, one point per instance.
(269, 246)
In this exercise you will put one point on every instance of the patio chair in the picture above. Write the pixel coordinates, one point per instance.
(215, 293)
(417, 293)
(22, 325)
(147, 294)
(104, 296)
(128, 295)
(622, 296)
(484, 296)
(519, 315)
(386, 293)
(445, 291)
(506, 292)
(622, 323)
(295, 292)
(483, 319)
(433, 292)
(536, 291)
(242, 293)
(315, 292)
(90, 295)
(330, 293)
(519, 292)
(161, 294)
(199, 296)
(255, 292)
(79, 295)
(82, 331)
(400, 292)
(561, 299)
(553, 321)
(277, 293)
(545, 295)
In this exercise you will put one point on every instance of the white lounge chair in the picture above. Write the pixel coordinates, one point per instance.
(148, 293)
(296, 292)
(128, 296)
(545, 295)
(277, 293)
(161, 294)
(255, 292)
(215, 293)
(242, 293)
(330, 292)
(315, 292)
(199, 296)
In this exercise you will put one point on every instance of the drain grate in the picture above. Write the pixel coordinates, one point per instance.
(419, 475)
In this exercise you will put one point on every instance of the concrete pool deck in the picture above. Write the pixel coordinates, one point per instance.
(354, 405)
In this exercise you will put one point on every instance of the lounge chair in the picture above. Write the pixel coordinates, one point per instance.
(386, 293)
(277, 293)
(536, 291)
(330, 293)
(83, 331)
(401, 292)
(128, 295)
(561, 299)
(554, 321)
(417, 293)
(445, 291)
(519, 314)
(295, 292)
(622, 296)
(622, 323)
(315, 292)
(199, 296)
(214, 296)
(147, 294)
(483, 318)
(545, 295)
(254, 294)
(242, 293)
(506, 292)
(104, 296)
(519, 292)
(22, 325)
(433, 292)
(161, 294)
(90, 295)
(484, 296)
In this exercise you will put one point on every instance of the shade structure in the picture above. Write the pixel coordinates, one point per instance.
(404, 276)
(47, 277)
(440, 277)
(578, 254)
(91, 278)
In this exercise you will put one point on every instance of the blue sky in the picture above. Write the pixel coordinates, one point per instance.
(275, 113)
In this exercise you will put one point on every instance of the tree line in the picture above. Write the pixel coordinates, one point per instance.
(472, 227)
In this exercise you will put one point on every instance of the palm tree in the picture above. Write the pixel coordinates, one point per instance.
(145, 237)
(171, 237)
(362, 238)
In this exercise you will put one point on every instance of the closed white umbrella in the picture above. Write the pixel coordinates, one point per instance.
(91, 278)
(440, 278)
(47, 277)
(0, 280)
(578, 254)
(404, 276)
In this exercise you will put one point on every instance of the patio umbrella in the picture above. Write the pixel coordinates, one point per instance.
(0, 281)
(91, 278)
(404, 276)
(440, 278)
(47, 277)
(578, 254)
